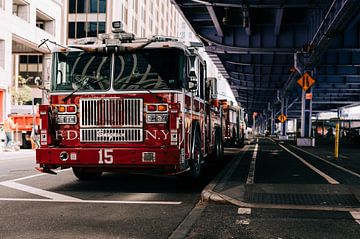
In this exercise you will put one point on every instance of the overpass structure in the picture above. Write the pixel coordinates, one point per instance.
(264, 48)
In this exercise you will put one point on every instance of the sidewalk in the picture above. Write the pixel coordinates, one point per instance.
(22, 153)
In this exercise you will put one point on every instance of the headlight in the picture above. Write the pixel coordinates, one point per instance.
(157, 118)
(66, 119)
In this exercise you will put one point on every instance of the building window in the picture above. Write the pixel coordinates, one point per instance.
(72, 6)
(97, 6)
(30, 66)
(45, 22)
(81, 6)
(85, 29)
(71, 33)
(80, 30)
(92, 29)
(101, 27)
(102, 6)
(21, 9)
(87, 6)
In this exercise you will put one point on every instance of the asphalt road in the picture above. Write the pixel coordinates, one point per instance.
(290, 195)
(304, 198)
(35, 205)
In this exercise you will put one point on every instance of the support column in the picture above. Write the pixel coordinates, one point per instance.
(283, 134)
(272, 121)
(307, 138)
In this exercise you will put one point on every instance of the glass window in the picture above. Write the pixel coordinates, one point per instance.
(102, 6)
(92, 30)
(72, 6)
(93, 6)
(23, 59)
(149, 69)
(102, 27)
(33, 59)
(80, 30)
(81, 6)
(82, 71)
(71, 30)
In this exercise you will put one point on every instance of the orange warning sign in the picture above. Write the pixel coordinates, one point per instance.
(282, 118)
(306, 81)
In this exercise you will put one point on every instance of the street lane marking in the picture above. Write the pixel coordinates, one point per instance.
(326, 161)
(242, 222)
(244, 210)
(37, 191)
(318, 171)
(92, 201)
(250, 178)
(356, 216)
(36, 175)
(60, 198)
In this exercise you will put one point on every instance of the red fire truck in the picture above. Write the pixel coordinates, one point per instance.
(123, 104)
(234, 125)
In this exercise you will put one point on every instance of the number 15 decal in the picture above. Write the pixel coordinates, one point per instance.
(105, 156)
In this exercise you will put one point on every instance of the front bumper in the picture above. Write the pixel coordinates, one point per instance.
(110, 158)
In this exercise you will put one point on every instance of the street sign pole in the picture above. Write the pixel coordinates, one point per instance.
(272, 121)
(337, 138)
(302, 134)
(306, 81)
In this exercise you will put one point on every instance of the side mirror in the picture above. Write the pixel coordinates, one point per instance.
(38, 81)
(39, 84)
(192, 84)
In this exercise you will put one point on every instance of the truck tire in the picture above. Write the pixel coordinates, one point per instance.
(217, 151)
(219, 145)
(196, 159)
(83, 174)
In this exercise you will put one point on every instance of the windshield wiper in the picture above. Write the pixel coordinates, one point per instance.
(87, 83)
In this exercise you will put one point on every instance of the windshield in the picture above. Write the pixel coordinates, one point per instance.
(87, 71)
(147, 69)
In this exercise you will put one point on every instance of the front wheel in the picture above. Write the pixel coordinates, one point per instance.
(83, 174)
(196, 160)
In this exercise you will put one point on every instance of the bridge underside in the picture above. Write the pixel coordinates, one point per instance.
(254, 42)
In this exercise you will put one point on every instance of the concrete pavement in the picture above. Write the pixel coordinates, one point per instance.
(22, 153)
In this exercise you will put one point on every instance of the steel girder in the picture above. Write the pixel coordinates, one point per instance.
(254, 43)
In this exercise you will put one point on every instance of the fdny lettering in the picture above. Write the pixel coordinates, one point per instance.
(67, 134)
(156, 134)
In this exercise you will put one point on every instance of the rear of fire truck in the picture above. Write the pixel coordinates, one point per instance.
(119, 105)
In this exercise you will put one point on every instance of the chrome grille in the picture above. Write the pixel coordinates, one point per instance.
(111, 135)
(111, 120)
(111, 112)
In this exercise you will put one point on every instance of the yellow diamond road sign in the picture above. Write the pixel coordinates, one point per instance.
(282, 118)
(306, 81)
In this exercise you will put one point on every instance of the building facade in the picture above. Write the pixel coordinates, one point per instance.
(144, 18)
(23, 24)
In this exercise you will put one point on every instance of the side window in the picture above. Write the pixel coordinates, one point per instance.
(201, 81)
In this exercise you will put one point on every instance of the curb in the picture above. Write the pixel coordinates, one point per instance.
(207, 194)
